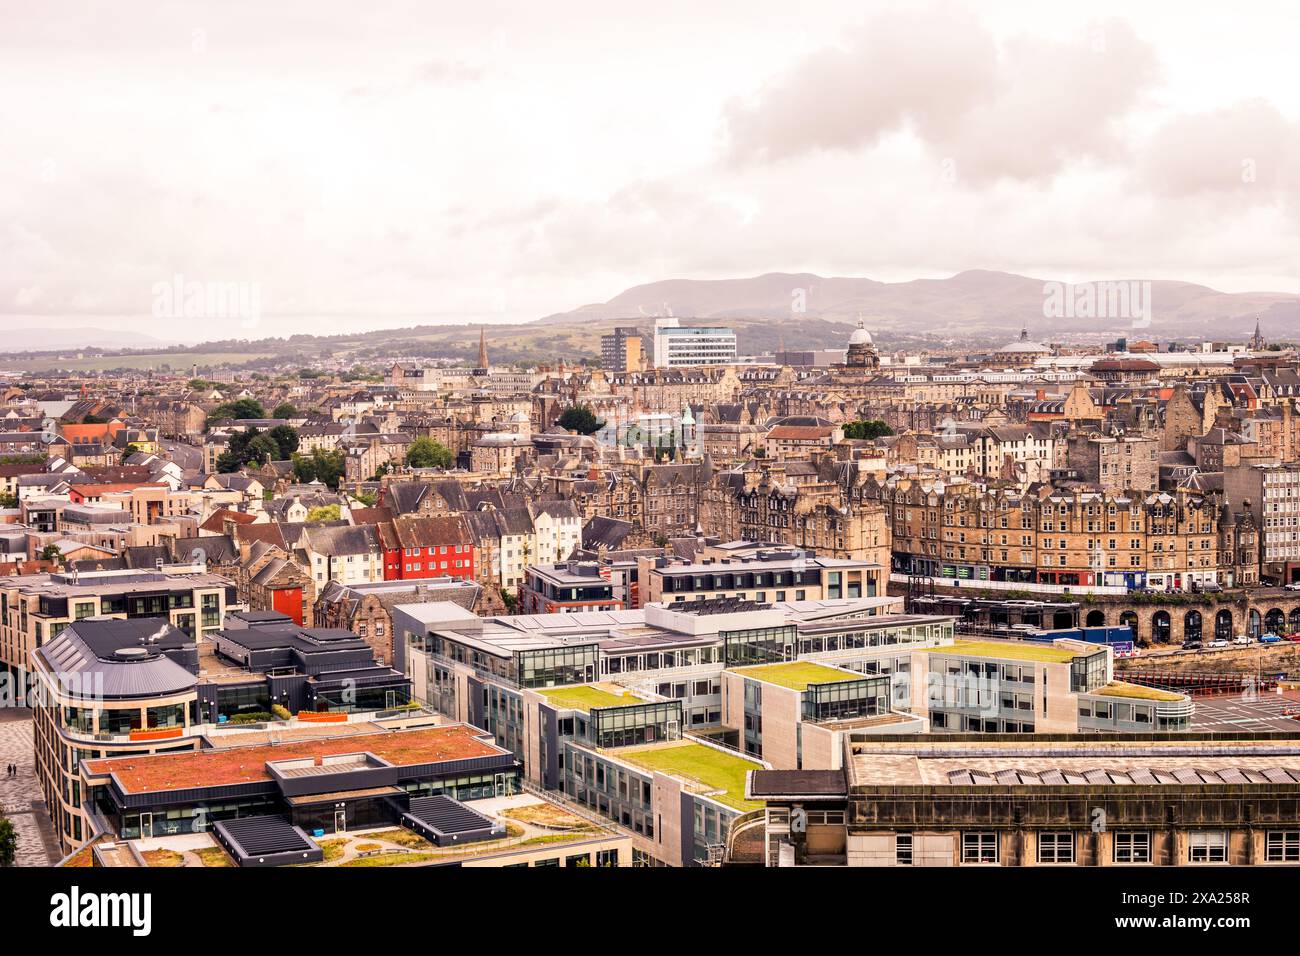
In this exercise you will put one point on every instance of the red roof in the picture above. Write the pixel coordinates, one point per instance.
(227, 766)
(217, 520)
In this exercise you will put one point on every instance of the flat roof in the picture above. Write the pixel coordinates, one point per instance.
(159, 773)
(1121, 688)
(982, 761)
(1011, 650)
(586, 696)
(707, 770)
(797, 675)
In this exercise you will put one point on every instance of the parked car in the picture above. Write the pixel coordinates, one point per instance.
(1293, 587)
(1270, 639)
(1192, 645)
(1219, 642)
(1241, 639)
(1294, 638)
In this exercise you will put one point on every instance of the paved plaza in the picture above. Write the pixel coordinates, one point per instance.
(21, 797)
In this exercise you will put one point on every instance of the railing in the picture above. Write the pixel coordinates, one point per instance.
(563, 799)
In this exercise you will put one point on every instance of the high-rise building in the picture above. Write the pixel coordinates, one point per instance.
(620, 350)
(677, 345)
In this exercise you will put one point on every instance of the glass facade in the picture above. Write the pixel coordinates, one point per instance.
(638, 724)
(846, 699)
(558, 666)
(761, 645)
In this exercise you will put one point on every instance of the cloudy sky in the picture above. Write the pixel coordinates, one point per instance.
(379, 164)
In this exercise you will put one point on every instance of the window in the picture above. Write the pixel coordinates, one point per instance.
(1056, 847)
(1132, 847)
(1282, 846)
(1207, 846)
(979, 847)
(903, 849)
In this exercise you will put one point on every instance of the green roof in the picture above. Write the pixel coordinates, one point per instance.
(797, 674)
(586, 696)
(1012, 651)
(1121, 688)
(703, 768)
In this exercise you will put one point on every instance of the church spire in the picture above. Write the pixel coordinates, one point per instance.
(482, 348)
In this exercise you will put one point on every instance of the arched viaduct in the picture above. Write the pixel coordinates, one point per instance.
(1174, 618)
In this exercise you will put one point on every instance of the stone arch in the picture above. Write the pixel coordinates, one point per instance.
(1223, 625)
(1161, 627)
(1254, 625)
(1192, 626)
(1275, 621)
(1293, 621)
(1095, 618)
(1129, 619)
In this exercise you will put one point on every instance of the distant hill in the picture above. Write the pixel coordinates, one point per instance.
(975, 308)
(970, 304)
(37, 340)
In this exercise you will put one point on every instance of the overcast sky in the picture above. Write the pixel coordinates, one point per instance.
(377, 164)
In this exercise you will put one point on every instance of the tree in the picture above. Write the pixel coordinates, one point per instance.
(51, 552)
(7, 500)
(323, 513)
(250, 447)
(867, 429)
(580, 419)
(286, 438)
(8, 842)
(243, 408)
(284, 410)
(424, 452)
(327, 467)
(129, 450)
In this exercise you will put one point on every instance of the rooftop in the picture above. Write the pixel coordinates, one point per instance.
(796, 675)
(1011, 651)
(707, 770)
(1121, 688)
(235, 765)
(586, 696)
(1074, 760)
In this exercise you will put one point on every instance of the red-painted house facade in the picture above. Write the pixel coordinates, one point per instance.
(428, 547)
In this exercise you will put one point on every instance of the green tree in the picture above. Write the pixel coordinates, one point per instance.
(323, 513)
(51, 552)
(424, 452)
(327, 467)
(286, 438)
(284, 410)
(8, 842)
(7, 500)
(129, 450)
(867, 429)
(243, 408)
(580, 419)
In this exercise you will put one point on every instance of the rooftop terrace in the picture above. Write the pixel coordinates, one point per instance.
(1120, 688)
(706, 770)
(1012, 651)
(796, 675)
(586, 696)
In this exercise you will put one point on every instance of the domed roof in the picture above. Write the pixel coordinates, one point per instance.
(1025, 346)
(860, 336)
